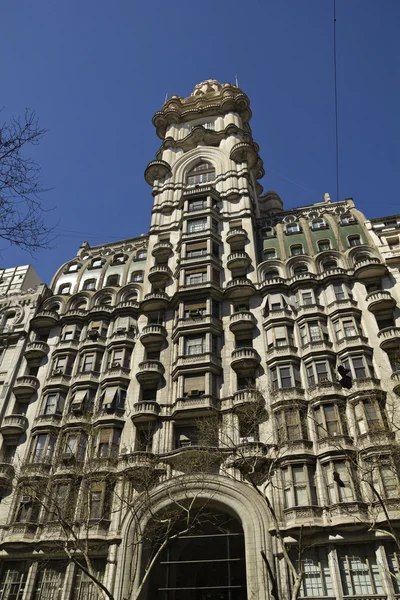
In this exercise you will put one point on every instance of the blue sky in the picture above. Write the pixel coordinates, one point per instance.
(95, 71)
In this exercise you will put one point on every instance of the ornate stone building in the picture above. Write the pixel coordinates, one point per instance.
(231, 313)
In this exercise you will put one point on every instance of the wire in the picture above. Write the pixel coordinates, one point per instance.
(336, 102)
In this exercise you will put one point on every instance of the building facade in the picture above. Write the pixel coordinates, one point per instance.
(198, 366)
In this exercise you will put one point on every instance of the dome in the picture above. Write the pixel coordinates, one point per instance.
(206, 87)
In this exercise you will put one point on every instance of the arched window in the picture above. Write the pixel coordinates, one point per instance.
(97, 263)
(131, 297)
(89, 284)
(354, 240)
(112, 280)
(302, 268)
(72, 268)
(324, 245)
(209, 560)
(203, 172)
(64, 288)
(329, 264)
(271, 274)
(105, 301)
(119, 259)
(81, 304)
(319, 224)
(296, 250)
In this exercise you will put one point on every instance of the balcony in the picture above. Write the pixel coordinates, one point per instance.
(155, 301)
(75, 314)
(282, 351)
(71, 345)
(324, 388)
(116, 372)
(134, 461)
(127, 307)
(150, 371)
(7, 472)
(376, 440)
(145, 411)
(238, 260)
(277, 315)
(332, 274)
(153, 334)
(101, 310)
(25, 386)
(36, 350)
(159, 273)
(162, 249)
(271, 283)
(379, 301)
(14, 426)
(239, 288)
(86, 377)
(310, 309)
(47, 421)
(245, 397)
(332, 444)
(36, 469)
(123, 335)
(316, 346)
(45, 319)
(59, 378)
(362, 385)
(194, 406)
(352, 341)
(389, 338)
(243, 359)
(343, 304)
(299, 278)
(195, 360)
(249, 456)
(369, 268)
(156, 169)
(242, 321)
(395, 377)
(236, 235)
(287, 394)
(299, 516)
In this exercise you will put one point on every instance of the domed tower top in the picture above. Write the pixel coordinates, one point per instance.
(208, 98)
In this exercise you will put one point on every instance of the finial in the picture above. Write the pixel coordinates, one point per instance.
(327, 197)
(237, 81)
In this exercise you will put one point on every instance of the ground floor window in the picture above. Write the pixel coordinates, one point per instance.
(317, 580)
(13, 580)
(49, 580)
(208, 564)
(83, 587)
(359, 571)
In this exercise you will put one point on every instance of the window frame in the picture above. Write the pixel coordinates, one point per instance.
(298, 485)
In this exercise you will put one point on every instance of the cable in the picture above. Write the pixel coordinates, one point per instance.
(336, 102)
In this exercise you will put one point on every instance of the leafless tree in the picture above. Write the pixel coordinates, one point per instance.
(22, 215)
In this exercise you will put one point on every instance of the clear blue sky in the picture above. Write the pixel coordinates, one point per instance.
(95, 71)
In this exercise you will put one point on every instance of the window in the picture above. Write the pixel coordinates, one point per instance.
(292, 228)
(28, 511)
(285, 376)
(347, 328)
(328, 419)
(43, 447)
(113, 398)
(269, 254)
(72, 268)
(298, 485)
(97, 263)
(270, 274)
(319, 224)
(119, 259)
(302, 268)
(354, 240)
(290, 424)
(141, 255)
(318, 372)
(97, 327)
(49, 580)
(346, 219)
(317, 580)
(313, 331)
(338, 291)
(186, 436)
(384, 477)
(75, 444)
(269, 232)
(369, 416)
(296, 250)
(54, 403)
(203, 172)
(324, 245)
(306, 298)
(194, 345)
(360, 366)
(70, 333)
(280, 336)
(195, 225)
(196, 250)
(339, 481)
(108, 442)
(13, 580)
(90, 362)
(329, 264)
(89, 284)
(83, 587)
(194, 385)
(112, 280)
(64, 288)
(83, 401)
(62, 365)
(196, 277)
(195, 309)
(197, 204)
(137, 276)
(359, 570)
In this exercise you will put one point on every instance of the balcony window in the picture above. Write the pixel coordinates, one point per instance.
(54, 404)
(108, 442)
(298, 486)
(317, 579)
(186, 436)
(196, 250)
(196, 277)
(195, 225)
(340, 482)
(203, 172)
(144, 439)
(290, 423)
(328, 419)
(318, 372)
(194, 345)
(369, 417)
(43, 447)
(89, 284)
(359, 571)
(324, 245)
(360, 366)
(283, 377)
(296, 250)
(354, 240)
(13, 580)
(197, 204)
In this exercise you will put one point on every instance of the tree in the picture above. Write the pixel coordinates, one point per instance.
(21, 212)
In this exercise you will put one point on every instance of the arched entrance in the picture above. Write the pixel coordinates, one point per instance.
(208, 563)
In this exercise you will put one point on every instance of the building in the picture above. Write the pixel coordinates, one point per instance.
(200, 363)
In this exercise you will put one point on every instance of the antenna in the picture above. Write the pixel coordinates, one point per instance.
(237, 81)
(336, 101)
